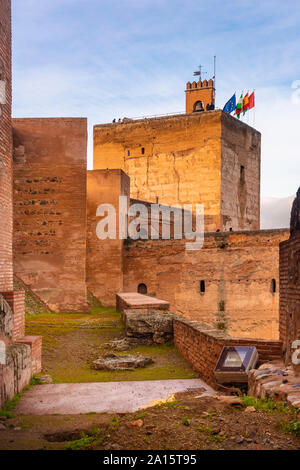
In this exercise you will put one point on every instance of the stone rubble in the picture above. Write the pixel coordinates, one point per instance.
(276, 381)
(114, 362)
(153, 325)
(125, 344)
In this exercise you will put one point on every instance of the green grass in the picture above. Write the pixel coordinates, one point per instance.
(266, 404)
(35, 380)
(186, 421)
(86, 441)
(10, 405)
(71, 342)
(292, 427)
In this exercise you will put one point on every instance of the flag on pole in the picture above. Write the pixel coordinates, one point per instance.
(251, 100)
(239, 107)
(245, 103)
(230, 105)
(197, 73)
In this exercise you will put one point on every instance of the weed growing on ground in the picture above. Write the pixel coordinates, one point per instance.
(292, 427)
(267, 405)
(141, 415)
(35, 380)
(10, 406)
(114, 423)
(86, 441)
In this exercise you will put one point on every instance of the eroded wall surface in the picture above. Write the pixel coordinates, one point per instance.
(290, 293)
(188, 159)
(104, 257)
(50, 209)
(180, 164)
(240, 175)
(15, 358)
(6, 223)
(239, 270)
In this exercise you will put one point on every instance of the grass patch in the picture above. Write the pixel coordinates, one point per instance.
(186, 421)
(72, 341)
(266, 404)
(10, 405)
(86, 441)
(292, 427)
(35, 380)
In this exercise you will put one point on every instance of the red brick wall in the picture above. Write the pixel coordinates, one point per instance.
(16, 301)
(50, 209)
(6, 266)
(202, 346)
(289, 311)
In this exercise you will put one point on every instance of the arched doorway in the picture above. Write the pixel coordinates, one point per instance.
(142, 289)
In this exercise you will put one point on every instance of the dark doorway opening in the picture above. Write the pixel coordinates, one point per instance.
(142, 289)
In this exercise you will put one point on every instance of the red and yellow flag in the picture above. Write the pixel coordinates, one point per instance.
(245, 103)
(251, 101)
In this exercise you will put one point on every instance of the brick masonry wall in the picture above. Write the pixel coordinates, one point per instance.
(237, 267)
(6, 225)
(289, 292)
(50, 210)
(202, 346)
(16, 301)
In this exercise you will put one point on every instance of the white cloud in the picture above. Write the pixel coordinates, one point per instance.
(275, 212)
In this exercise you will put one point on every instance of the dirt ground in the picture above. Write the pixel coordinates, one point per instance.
(188, 423)
(71, 342)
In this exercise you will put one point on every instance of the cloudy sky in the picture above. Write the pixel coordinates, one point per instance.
(106, 59)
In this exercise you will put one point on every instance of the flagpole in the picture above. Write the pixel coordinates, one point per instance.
(254, 109)
(215, 69)
(248, 110)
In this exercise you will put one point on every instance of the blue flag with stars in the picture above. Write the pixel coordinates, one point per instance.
(230, 105)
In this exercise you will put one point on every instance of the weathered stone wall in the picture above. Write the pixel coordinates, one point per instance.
(15, 359)
(240, 175)
(290, 292)
(50, 209)
(104, 257)
(238, 269)
(201, 346)
(188, 159)
(16, 301)
(6, 225)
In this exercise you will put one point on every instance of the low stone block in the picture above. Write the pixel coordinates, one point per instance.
(113, 362)
(155, 325)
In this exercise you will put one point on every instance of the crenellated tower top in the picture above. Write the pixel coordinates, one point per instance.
(200, 96)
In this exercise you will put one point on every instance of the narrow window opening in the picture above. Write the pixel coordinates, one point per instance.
(242, 174)
(202, 287)
(273, 286)
(128, 153)
(143, 151)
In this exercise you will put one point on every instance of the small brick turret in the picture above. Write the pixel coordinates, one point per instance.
(200, 96)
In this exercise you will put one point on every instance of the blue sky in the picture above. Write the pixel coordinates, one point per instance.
(109, 59)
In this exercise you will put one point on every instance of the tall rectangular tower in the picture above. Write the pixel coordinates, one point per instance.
(6, 223)
(205, 158)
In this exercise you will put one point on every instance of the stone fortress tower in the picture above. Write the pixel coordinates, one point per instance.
(201, 157)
